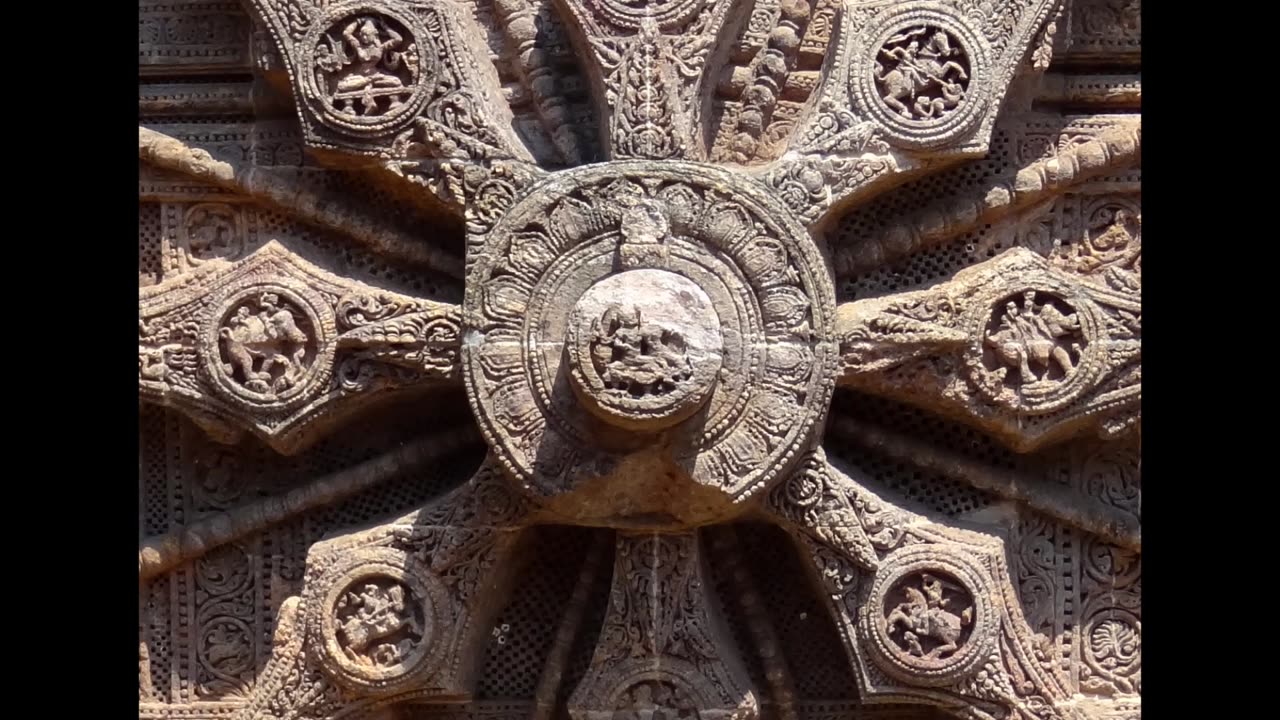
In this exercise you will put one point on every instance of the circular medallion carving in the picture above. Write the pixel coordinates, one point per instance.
(381, 620)
(1113, 644)
(1035, 349)
(212, 231)
(268, 345)
(930, 617)
(923, 75)
(371, 70)
(226, 647)
(644, 348)
(694, 312)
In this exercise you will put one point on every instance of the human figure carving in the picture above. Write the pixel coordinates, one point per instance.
(922, 75)
(925, 615)
(1034, 334)
(374, 614)
(371, 65)
(638, 357)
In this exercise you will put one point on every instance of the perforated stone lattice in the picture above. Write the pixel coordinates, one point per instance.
(350, 260)
(592, 621)
(932, 490)
(873, 218)
(799, 616)
(730, 605)
(149, 247)
(516, 656)
(918, 423)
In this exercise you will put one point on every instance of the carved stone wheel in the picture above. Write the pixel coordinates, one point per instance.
(609, 359)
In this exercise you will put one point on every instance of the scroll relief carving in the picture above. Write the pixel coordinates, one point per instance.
(662, 650)
(273, 345)
(648, 61)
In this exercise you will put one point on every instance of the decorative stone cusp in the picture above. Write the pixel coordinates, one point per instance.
(644, 349)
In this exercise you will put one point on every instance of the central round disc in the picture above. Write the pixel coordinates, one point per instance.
(644, 349)
(648, 343)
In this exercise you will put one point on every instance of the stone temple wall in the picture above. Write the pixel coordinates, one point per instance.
(640, 359)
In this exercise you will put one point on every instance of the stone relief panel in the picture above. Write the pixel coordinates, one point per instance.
(210, 36)
(739, 359)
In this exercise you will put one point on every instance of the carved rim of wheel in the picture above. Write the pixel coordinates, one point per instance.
(923, 134)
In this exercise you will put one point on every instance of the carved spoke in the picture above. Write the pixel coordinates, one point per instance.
(398, 611)
(663, 647)
(1027, 348)
(925, 610)
(398, 82)
(912, 87)
(648, 63)
(274, 345)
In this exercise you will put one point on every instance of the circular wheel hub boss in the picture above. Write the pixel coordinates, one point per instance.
(648, 345)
